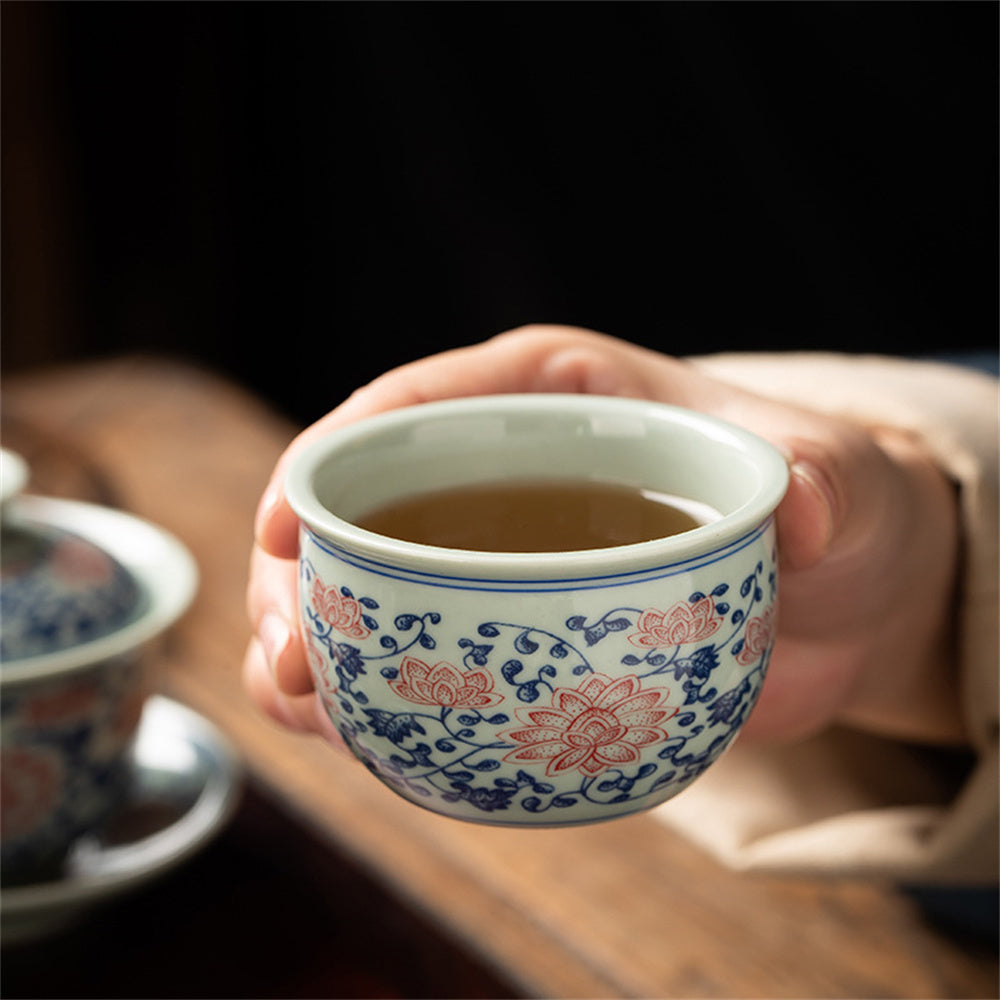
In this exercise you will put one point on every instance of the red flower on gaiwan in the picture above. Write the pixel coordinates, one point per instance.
(604, 723)
(683, 623)
(443, 685)
(341, 612)
(29, 791)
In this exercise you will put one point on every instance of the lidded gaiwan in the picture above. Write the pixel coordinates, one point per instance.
(58, 589)
(83, 590)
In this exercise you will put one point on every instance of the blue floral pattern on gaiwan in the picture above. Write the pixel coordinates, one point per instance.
(59, 590)
(64, 766)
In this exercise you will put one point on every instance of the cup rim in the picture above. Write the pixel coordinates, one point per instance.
(164, 569)
(299, 477)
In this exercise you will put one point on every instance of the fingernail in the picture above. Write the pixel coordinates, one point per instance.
(819, 483)
(274, 635)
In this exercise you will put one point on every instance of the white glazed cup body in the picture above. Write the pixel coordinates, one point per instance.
(538, 689)
(69, 717)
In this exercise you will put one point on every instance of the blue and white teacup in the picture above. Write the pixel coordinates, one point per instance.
(538, 689)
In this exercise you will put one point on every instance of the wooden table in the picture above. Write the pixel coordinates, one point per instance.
(624, 909)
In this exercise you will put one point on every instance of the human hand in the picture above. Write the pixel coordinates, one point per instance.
(867, 536)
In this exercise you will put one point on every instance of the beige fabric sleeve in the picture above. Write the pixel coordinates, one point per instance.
(846, 802)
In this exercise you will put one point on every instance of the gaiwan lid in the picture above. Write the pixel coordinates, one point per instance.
(58, 589)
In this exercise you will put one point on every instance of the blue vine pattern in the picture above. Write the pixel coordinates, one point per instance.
(458, 740)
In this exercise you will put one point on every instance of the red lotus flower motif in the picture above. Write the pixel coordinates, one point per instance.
(77, 562)
(319, 666)
(444, 685)
(757, 638)
(66, 704)
(683, 623)
(601, 724)
(29, 790)
(339, 611)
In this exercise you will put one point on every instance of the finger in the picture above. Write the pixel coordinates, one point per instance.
(296, 712)
(273, 612)
(300, 713)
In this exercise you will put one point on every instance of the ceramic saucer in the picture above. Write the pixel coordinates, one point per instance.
(186, 784)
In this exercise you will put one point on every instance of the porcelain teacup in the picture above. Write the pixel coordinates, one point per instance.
(538, 689)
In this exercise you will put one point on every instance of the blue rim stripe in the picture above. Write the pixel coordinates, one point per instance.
(535, 586)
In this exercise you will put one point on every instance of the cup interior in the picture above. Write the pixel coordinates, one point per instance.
(469, 441)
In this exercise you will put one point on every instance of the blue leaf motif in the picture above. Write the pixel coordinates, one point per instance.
(541, 787)
(368, 603)
(405, 622)
(525, 644)
(478, 652)
(528, 692)
(486, 765)
(488, 631)
(426, 641)
(510, 670)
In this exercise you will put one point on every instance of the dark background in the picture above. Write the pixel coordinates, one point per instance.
(305, 194)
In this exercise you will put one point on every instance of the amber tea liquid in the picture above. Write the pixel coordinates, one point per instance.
(536, 516)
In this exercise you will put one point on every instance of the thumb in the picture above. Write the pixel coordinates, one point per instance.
(809, 514)
(825, 462)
